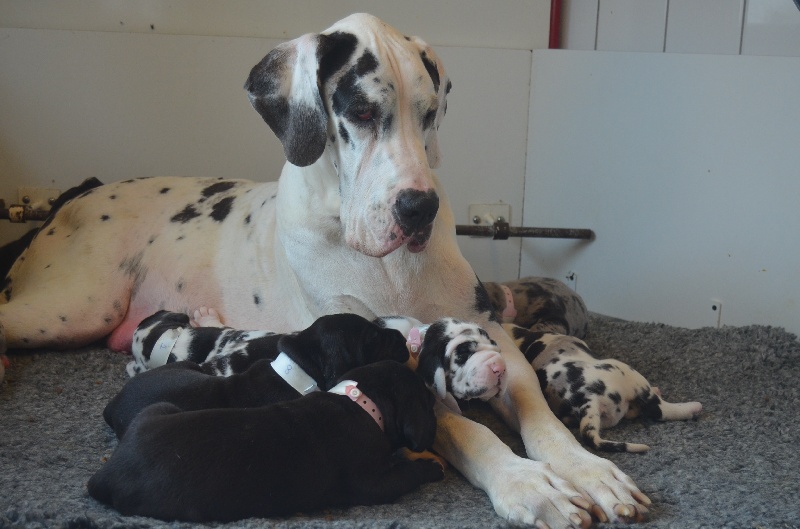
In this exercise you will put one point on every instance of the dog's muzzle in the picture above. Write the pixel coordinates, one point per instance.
(414, 212)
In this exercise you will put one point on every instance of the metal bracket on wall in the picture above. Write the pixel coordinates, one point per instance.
(19, 213)
(500, 230)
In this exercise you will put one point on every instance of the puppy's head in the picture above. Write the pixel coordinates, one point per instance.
(460, 357)
(336, 343)
(404, 401)
(150, 330)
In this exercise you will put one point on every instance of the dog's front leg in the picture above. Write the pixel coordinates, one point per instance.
(522, 491)
(612, 495)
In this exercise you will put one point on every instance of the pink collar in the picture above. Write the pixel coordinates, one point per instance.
(509, 313)
(348, 389)
(414, 341)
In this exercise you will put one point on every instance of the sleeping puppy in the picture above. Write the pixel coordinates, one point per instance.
(540, 304)
(454, 357)
(286, 366)
(596, 393)
(326, 449)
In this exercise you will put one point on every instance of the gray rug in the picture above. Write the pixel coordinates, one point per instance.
(737, 466)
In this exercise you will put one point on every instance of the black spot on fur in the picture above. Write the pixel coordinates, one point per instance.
(366, 64)
(482, 301)
(104, 217)
(463, 352)
(164, 190)
(112, 197)
(51, 231)
(219, 187)
(615, 397)
(430, 66)
(343, 133)
(185, 215)
(427, 121)
(333, 52)
(63, 319)
(247, 219)
(221, 209)
(256, 299)
(151, 239)
(598, 387)
(179, 286)
(604, 367)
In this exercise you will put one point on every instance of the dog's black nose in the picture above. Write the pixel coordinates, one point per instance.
(414, 209)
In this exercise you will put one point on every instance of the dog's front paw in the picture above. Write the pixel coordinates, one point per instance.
(526, 492)
(613, 495)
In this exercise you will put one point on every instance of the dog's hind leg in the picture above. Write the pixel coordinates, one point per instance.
(73, 314)
(590, 432)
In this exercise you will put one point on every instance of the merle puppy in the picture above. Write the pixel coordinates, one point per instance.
(595, 393)
(323, 450)
(283, 366)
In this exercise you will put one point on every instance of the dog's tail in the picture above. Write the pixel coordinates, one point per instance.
(590, 432)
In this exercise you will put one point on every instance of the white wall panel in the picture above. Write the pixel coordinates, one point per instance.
(771, 27)
(579, 24)
(708, 26)
(631, 25)
(521, 24)
(686, 166)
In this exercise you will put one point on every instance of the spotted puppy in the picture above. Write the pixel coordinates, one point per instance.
(540, 304)
(454, 357)
(326, 449)
(268, 369)
(597, 393)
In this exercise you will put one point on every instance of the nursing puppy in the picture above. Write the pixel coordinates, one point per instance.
(455, 358)
(322, 450)
(270, 368)
(595, 393)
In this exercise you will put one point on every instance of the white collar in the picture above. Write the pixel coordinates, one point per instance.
(163, 347)
(294, 375)
(348, 389)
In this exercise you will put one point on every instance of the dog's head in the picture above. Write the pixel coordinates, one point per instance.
(337, 343)
(404, 401)
(151, 328)
(461, 358)
(371, 100)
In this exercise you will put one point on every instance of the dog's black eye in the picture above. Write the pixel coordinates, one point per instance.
(365, 116)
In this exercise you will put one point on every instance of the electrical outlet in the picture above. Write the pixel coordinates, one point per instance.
(488, 214)
(37, 197)
(716, 308)
(572, 280)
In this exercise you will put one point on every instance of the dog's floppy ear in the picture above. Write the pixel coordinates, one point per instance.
(442, 85)
(431, 366)
(285, 89)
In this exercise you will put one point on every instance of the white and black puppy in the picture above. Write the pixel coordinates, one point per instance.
(269, 368)
(453, 356)
(323, 450)
(595, 393)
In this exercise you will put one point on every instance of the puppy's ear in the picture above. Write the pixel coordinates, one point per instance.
(431, 366)
(285, 89)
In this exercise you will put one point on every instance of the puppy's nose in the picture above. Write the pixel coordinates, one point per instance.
(498, 368)
(414, 209)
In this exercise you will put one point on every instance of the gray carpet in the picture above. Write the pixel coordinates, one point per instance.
(737, 466)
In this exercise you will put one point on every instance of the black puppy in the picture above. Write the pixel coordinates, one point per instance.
(315, 358)
(322, 450)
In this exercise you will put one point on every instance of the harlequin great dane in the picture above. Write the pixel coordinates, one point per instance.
(358, 222)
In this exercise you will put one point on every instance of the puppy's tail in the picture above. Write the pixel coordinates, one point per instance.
(590, 432)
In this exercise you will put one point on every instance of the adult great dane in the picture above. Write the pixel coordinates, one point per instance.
(358, 222)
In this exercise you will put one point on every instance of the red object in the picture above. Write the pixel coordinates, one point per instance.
(555, 24)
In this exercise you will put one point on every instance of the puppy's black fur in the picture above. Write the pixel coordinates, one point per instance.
(327, 349)
(322, 450)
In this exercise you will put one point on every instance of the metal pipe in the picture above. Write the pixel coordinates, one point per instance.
(18, 213)
(502, 231)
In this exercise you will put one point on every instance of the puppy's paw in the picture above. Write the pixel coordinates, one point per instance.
(425, 454)
(206, 317)
(428, 470)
